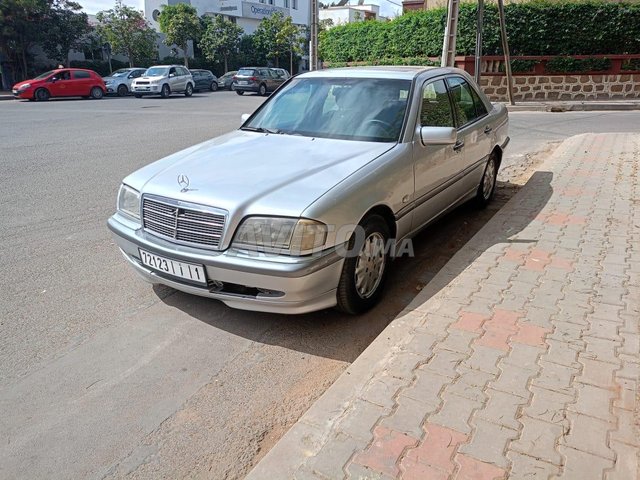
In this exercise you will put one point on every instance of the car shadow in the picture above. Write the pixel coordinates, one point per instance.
(342, 337)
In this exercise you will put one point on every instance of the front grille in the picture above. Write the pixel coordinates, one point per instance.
(142, 82)
(182, 224)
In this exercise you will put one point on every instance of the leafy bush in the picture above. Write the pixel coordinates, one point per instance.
(631, 64)
(570, 64)
(99, 66)
(536, 28)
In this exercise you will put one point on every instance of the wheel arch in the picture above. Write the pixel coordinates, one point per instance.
(387, 214)
(497, 151)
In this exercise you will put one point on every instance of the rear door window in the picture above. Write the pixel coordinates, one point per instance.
(79, 74)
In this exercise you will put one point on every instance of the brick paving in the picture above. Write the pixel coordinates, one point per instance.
(519, 360)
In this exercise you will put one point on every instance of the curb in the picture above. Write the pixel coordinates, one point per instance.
(6, 97)
(572, 106)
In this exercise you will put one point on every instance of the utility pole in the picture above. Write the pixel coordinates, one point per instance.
(313, 43)
(505, 49)
(479, 22)
(449, 45)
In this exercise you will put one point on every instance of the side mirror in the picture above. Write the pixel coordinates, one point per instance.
(244, 117)
(171, 75)
(53, 79)
(438, 135)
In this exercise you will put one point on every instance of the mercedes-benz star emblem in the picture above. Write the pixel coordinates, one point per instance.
(183, 181)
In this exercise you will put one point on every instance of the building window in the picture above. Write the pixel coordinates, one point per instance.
(286, 3)
(270, 2)
(294, 4)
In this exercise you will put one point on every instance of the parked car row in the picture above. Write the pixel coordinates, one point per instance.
(162, 80)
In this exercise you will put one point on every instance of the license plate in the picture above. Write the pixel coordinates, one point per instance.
(188, 271)
(242, 82)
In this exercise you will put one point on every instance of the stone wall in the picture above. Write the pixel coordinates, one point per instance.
(563, 87)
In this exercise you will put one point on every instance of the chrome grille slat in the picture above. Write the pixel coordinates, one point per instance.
(182, 224)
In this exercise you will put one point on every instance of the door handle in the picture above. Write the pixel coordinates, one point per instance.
(458, 145)
(488, 129)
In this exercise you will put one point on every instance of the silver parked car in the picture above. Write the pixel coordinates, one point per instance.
(119, 82)
(164, 80)
(304, 206)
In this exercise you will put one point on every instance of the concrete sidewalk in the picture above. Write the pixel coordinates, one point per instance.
(519, 360)
(574, 106)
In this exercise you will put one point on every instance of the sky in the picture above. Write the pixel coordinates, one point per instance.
(388, 8)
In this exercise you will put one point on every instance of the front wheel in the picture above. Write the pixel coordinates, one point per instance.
(42, 95)
(122, 90)
(189, 90)
(487, 185)
(213, 87)
(232, 87)
(166, 91)
(240, 92)
(97, 93)
(262, 90)
(365, 269)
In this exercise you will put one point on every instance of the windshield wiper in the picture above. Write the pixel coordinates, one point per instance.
(261, 130)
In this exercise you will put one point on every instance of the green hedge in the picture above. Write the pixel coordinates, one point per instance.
(536, 28)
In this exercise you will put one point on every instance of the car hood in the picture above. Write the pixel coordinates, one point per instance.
(32, 82)
(249, 173)
(156, 77)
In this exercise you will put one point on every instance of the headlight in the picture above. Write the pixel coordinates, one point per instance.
(24, 87)
(292, 236)
(129, 201)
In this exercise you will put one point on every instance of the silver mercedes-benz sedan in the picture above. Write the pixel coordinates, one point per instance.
(306, 204)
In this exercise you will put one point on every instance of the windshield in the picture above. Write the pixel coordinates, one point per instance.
(156, 71)
(120, 73)
(44, 75)
(365, 109)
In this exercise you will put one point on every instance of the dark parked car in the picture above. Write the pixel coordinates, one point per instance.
(226, 80)
(204, 80)
(260, 80)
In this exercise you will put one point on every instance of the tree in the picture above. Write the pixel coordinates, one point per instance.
(221, 39)
(65, 28)
(268, 39)
(180, 23)
(292, 39)
(128, 33)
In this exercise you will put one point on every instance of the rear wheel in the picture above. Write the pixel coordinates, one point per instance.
(97, 93)
(240, 92)
(488, 183)
(42, 95)
(213, 87)
(189, 90)
(166, 91)
(122, 90)
(232, 87)
(365, 269)
(262, 90)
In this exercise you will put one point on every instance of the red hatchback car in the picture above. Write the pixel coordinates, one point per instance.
(62, 82)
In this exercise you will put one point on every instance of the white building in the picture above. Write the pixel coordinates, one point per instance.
(340, 15)
(247, 14)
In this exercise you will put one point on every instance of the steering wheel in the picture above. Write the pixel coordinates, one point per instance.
(387, 128)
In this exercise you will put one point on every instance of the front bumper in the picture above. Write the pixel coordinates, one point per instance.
(24, 94)
(248, 281)
(146, 89)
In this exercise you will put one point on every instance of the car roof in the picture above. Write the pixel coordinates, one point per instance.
(166, 66)
(400, 72)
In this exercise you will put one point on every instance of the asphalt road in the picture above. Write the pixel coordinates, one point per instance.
(103, 376)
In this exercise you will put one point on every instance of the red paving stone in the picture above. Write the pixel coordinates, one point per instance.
(470, 322)
(437, 448)
(383, 454)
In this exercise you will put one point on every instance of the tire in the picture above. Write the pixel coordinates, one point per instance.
(364, 274)
(232, 87)
(41, 95)
(213, 87)
(137, 95)
(122, 90)
(487, 186)
(165, 91)
(262, 90)
(240, 92)
(189, 90)
(97, 93)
